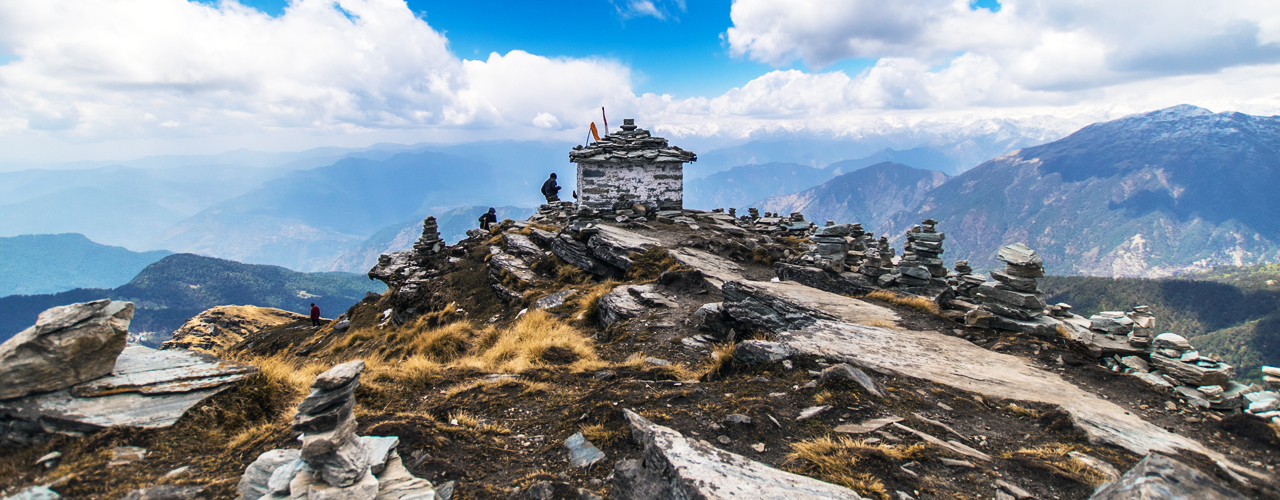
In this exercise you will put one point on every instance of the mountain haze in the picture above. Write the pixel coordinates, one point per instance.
(868, 195)
(1153, 194)
(50, 263)
(180, 286)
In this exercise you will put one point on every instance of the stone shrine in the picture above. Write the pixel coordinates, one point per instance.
(630, 167)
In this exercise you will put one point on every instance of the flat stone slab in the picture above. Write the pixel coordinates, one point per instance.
(150, 371)
(615, 245)
(513, 265)
(715, 270)
(148, 388)
(676, 467)
(960, 364)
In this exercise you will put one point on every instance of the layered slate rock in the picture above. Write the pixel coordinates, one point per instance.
(147, 388)
(676, 467)
(845, 283)
(67, 345)
(615, 246)
(837, 329)
(334, 463)
(1159, 476)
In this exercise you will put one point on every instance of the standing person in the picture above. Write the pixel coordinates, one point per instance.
(550, 189)
(315, 314)
(489, 217)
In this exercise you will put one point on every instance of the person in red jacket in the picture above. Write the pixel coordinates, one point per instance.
(315, 315)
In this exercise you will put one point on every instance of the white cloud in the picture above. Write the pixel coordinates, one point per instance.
(1034, 44)
(132, 77)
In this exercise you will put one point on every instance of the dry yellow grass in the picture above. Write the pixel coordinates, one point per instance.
(600, 435)
(588, 302)
(1058, 456)
(530, 342)
(652, 263)
(836, 461)
(721, 356)
(879, 323)
(463, 419)
(1022, 412)
(911, 302)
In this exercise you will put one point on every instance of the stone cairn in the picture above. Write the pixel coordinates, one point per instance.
(921, 262)
(334, 463)
(1014, 293)
(879, 258)
(429, 243)
(830, 247)
(857, 252)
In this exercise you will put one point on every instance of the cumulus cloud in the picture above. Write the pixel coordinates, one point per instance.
(98, 69)
(91, 72)
(1035, 44)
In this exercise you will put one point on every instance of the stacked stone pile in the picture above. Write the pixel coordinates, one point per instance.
(857, 253)
(830, 247)
(334, 463)
(964, 281)
(1175, 357)
(429, 243)
(1015, 293)
(795, 225)
(1271, 377)
(879, 258)
(1144, 324)
(921, 263)
(557, 212)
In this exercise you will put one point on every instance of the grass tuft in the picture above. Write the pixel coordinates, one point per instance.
(837, 461)
(910, 302)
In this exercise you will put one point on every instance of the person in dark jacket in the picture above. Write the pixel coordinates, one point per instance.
(489, 217)
(550, 189)
(315, 314)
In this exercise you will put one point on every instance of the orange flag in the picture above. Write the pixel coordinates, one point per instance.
(595, 133)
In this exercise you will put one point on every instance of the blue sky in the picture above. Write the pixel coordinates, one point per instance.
(117, 78)
(683, 54)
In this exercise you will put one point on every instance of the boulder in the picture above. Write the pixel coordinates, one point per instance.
(581, 452)
(619, 305)
(1159, 476)
(1190, 373)
(554, 300)
(504, 263)
(254, 482)
(519, 244)
(676, 467)
(843, 371)
(615, 246)
(68, 345)
(754, 352)
(840, 283)
(148, 388)
(576, 253)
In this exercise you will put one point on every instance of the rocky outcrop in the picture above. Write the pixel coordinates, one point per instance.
(334, 463)
(615, 246)
(846, 283)
(676, 467)
(1161, 477)
(147, 388)
(224, 326)
(812, 322)
(68, 345)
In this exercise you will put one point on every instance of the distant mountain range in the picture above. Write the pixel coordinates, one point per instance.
(1154, 194)
(306, 219)
(51, 263)
(869, 195)
(180, 286)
